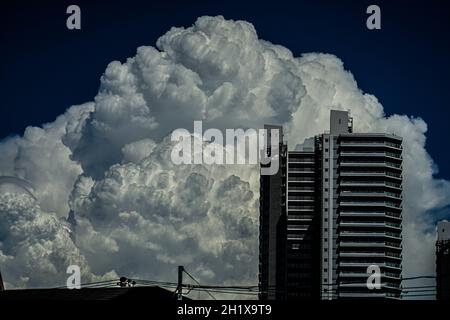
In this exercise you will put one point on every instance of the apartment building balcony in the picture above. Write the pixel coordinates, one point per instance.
(361, 255)
(308, 180)
(386, 265)
(363, 275)
(298, 189)
(301, 221)
(387, 204)
(300, 208)
(298, 228)
(295, 172)
(377, 154)
(301, 198)
(296, 237)
(353, 275)
(301, 158)
(385, 255)
(300, 217)
(363, 284)
(386, 194)
(306, 163)
(371, 144)
(384, 174)
(371, 183)
(370, 234)
(371, 244)
(370, 164)
(375, 295)
(371, 224)
(392, 276)
(387, 214)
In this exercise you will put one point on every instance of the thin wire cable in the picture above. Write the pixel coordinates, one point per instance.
(412, 291)
(88, 284)
(185, 271)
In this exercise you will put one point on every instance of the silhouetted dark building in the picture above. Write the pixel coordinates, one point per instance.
(89, 294)
(443, 261)
(302, 234)
(272, 246)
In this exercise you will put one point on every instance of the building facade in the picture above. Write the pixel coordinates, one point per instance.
(443, 261)
(302, 263)
(343, 213)
(272, 226)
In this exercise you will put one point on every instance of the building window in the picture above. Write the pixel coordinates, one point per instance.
(326, 179)
(326, 149)
(326, 159)
(326, 169)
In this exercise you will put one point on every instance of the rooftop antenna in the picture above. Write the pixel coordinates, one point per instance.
(2, 286)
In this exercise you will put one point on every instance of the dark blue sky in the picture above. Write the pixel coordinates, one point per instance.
(46, 68)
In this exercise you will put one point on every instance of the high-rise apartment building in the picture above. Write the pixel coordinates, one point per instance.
(338, 201)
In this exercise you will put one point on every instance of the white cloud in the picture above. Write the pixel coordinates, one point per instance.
(137, 213)
(36, 246)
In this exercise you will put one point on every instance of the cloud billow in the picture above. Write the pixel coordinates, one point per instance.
(134, 212)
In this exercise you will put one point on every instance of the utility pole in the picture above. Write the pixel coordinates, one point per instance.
(180, 283)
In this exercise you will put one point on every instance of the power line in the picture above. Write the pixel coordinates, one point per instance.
(185, 271)
(91, 284)
(248, 287)
(411, 291)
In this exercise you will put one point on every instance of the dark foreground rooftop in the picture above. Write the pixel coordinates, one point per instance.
(89, 294)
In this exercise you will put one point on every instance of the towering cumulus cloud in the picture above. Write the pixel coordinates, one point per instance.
(108, 197)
